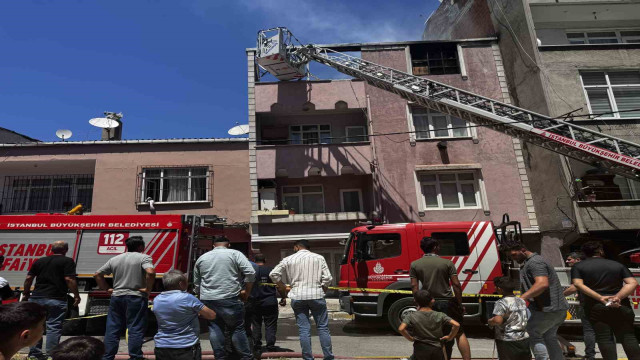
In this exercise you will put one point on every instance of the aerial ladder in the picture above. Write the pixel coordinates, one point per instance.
(282, 55)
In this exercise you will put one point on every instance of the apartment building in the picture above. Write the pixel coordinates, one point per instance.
(208, 177)
(578, 60)
(325, 156)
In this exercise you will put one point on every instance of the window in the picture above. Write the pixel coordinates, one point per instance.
(356, 133)
(449, 190)
(303, 199)
(429, 124)
(604, 37)
(380, 246)
(452, 243)
(613, 93)
(434, 59)
(179, 184)
(310, 134)
(351, 200)
(58, 193)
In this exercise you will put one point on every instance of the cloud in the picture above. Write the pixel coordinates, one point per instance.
(333, 22)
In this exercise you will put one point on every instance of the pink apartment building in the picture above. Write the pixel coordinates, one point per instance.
(327, 155)
(207, 177)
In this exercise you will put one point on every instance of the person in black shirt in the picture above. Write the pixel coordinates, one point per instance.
(265, 307)
(606, 285)
(55, 275)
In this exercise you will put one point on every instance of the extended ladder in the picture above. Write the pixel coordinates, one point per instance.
(592, 147)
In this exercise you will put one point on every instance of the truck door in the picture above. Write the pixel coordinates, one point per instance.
(472, 250)
(22, 248)
(96, 247)
(380, 258)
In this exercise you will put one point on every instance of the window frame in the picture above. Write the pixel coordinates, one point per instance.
(301, 132)
(475, 182)
(430, 113)
(610, 94)
(620, 39)
(300, 196)
(359, 191)
(364, 137)
(189, 177)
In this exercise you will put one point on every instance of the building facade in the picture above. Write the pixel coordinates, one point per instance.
(578, 60)
(182, 176)
(327, 155)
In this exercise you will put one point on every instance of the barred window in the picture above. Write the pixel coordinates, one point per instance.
(178, 184)
(46, 193)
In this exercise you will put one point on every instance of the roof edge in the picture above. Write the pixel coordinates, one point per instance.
(129, 142)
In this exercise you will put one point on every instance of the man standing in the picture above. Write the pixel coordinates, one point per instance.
(606, 285)
(218, 277)
(133, 279)
(437, 276)
(265, 307)
(588, 333)
(55, 275)
(547, 304)
(309, 276)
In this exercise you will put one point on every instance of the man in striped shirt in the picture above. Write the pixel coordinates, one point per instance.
(309, 276)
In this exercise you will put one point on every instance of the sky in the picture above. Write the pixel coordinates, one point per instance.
(174, 68)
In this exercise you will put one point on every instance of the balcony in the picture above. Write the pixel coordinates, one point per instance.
(609, 214)
(300, 161)
(318, 217)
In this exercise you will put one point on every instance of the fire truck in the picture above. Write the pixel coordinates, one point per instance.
(171, 241)
(379, 257)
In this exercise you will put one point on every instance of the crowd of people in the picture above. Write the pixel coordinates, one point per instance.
(230, 298)
(603, 288)
(233, 295)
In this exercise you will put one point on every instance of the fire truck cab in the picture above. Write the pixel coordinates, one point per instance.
(379, 257)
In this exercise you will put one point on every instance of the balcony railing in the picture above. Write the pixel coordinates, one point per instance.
(46, 193)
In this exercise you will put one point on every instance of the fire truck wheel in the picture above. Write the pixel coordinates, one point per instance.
(398, 310)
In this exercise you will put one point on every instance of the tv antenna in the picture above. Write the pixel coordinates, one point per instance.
(64, 134)
(239, 130)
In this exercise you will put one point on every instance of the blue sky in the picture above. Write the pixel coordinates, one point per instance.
(174, 68)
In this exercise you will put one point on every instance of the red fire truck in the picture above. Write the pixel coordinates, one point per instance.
(379, 257)
(93, 239)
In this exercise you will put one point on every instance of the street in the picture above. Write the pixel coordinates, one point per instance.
(367, 337)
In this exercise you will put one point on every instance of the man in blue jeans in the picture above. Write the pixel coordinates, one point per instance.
(547, 304)
(218, 278)
(309, 276)
(133, 279)
(55, 275)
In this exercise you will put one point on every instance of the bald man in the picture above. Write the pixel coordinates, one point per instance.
(55, 276)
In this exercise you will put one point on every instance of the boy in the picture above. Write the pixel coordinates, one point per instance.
(178, 336)
(509, 319)
(425, 328)
(79, 348)
(21, 325)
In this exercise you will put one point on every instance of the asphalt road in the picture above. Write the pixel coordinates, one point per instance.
(369, 338)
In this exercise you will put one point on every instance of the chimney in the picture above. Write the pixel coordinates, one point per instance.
(113, 133)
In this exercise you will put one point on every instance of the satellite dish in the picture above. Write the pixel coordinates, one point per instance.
(64, 134)
(239, 130)
(104, 123)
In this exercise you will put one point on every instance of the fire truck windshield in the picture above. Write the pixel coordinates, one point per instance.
(345, 254)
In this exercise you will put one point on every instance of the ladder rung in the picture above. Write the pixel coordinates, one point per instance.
(553, 127)
(597, 140)
(441, 92)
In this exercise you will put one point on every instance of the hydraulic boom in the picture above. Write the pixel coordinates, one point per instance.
(285, 60)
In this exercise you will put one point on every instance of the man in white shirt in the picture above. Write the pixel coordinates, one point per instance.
(309, 276)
